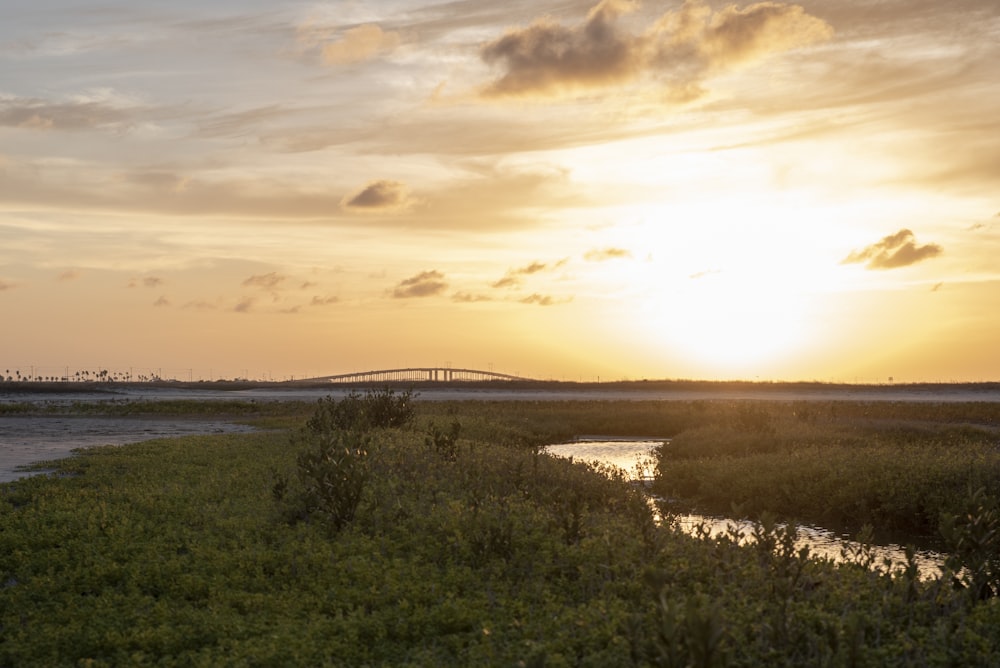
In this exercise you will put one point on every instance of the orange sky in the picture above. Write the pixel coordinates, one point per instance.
(563, 190)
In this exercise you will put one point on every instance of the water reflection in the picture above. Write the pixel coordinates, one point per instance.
(636, 458)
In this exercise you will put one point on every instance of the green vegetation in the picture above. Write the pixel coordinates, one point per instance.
(897, 466)
(354, 543)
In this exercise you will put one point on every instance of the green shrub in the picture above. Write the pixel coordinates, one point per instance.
(972, 540)
(333, 470)
(444, 443)
(382, 408)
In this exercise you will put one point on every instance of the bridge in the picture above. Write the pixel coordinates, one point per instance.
(418, 374)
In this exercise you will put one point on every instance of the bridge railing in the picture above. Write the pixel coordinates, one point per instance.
(418, 374)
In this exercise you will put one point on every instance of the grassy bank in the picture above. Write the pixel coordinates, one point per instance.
(466, 547)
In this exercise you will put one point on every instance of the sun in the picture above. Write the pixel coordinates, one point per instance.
(728, 325)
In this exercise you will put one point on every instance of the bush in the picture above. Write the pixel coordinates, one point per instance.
(382, 408)
(332, 470)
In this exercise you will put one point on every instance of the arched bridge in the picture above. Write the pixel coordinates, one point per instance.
(418, 374)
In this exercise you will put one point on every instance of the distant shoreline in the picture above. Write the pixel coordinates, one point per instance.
(528, 384)
(774, 390)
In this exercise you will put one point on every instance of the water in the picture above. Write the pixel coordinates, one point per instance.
(636, 457)
(25, 440)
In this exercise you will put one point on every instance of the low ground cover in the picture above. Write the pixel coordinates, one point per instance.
(467, 546)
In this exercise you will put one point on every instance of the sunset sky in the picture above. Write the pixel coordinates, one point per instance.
(553, 188)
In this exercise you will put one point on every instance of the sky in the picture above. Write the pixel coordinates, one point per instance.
(557, 189)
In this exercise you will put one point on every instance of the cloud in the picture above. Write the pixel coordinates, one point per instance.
(148, 282)
(244, 305)
(507, 281)
(269, 281)
(680, 49)
(893, 251)
(468, 298)
(540, 300)
(424, 284)
(605, 254)
(4, 285)
(162, 301)
(324, 301)
(512, 278)
(359, 44)
(69, 275)
(378, 196)
(83, 112)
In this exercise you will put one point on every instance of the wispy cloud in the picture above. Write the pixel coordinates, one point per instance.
(679, 50)
(512, 278)
(101, 109)
(162, 301)
(543, 300)
(5, 285)
(605, 254)
(424, 284)
(268, 281)
(358, 44)
(324, 301)
(147, 282)
(69, 275)
(893, 251)
(469, 298)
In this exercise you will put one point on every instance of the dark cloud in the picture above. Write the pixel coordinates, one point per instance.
(69, 275)
(269, 281)
(893, 251)
(379, 196)
(200, 305)
(680, 49)
(424, 284)
(4, 285)
(604, 254)
(162, 301)
(547, 56)
(324, 301)
(936, 287)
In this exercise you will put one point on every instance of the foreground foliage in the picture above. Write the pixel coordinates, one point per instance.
(463, 549)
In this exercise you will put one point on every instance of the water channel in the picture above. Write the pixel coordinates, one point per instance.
(636, 458)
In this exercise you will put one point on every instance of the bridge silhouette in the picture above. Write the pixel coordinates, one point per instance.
(418, 374)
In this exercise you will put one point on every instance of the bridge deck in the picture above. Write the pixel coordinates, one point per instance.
(440, 374)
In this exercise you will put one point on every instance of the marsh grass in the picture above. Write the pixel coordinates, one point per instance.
(840, 465)
(176, 552)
